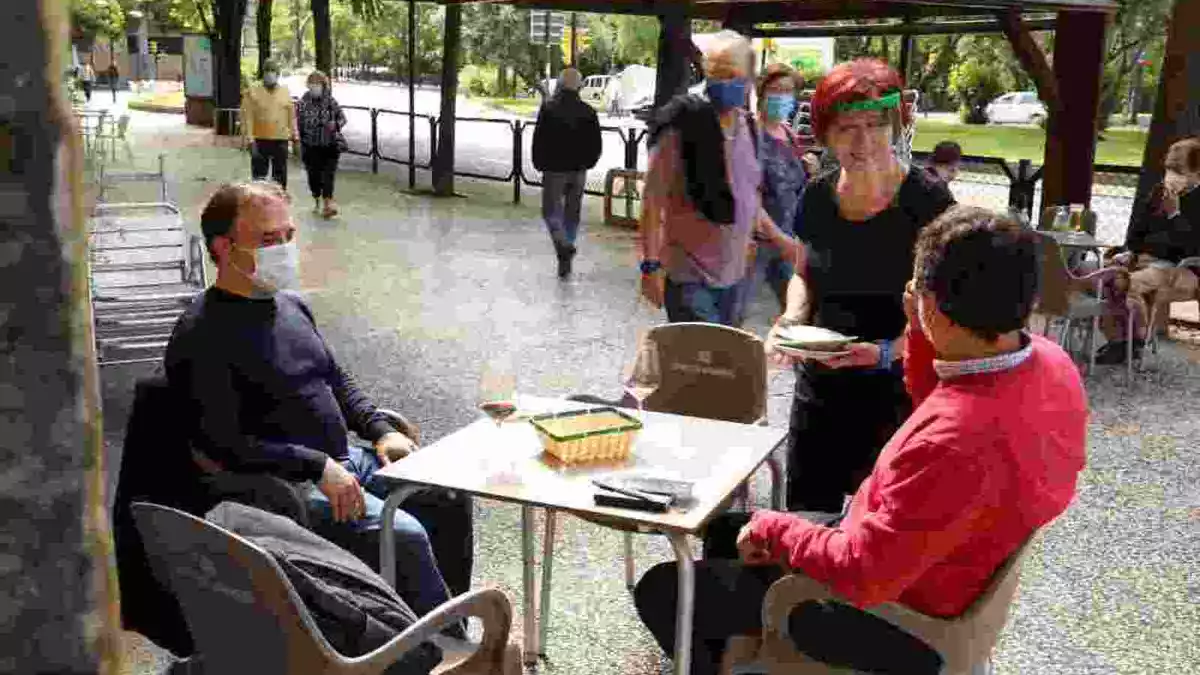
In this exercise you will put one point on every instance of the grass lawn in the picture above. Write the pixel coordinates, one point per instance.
(1120, 146)
(172, 101)
(526, 107)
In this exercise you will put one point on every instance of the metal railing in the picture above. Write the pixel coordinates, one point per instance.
(997, 184)
(381, 135)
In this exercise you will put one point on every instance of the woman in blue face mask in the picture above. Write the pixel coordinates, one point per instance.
(784, 176)
(703, 193)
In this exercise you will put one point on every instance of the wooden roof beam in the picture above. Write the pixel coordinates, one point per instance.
(900, 28)
(1032, 59)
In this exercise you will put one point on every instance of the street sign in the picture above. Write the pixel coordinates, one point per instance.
(537, 26)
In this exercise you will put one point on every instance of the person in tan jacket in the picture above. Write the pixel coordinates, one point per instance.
(268, 123)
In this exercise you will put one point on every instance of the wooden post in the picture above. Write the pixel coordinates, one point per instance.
(443, 175)
(1177, 106)
(674, 46)
(57, 584)
(1071, 129)
(906, 45)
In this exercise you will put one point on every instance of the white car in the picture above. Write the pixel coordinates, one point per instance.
(1018, 107)
(593, 88)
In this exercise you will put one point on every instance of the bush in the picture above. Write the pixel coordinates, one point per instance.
(975, 84)
(479, 81)
(973, 114)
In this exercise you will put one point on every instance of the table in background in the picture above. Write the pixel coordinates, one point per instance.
(507, 463)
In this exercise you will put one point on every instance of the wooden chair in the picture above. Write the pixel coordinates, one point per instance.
(964, 642)
(706, 370)
(246, 617)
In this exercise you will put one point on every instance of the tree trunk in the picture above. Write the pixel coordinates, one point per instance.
(57, 585)
(443, 174)
(227, 57)
(262, 24)
(322, 34)
(1177, 107)
(299, 26)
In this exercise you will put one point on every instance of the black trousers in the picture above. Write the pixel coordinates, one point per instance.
(321, 164)
(270, 153)
(729, 600)
(840, 421)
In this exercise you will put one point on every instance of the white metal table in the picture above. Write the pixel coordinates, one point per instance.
(506, 463)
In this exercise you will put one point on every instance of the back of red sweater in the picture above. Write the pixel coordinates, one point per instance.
(983, 462)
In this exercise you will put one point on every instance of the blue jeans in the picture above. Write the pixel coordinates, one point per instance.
(562, 200)
(696, 301)
(418, 579)
(769, 265)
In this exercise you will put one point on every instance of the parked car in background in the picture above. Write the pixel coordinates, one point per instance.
(593, 89)
(1018, 107)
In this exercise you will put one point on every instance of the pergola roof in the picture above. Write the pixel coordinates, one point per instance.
(750, 12)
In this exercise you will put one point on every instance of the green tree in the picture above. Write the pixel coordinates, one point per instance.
(98, 17)
(976, 80)
(498, 35)
(1139, 27)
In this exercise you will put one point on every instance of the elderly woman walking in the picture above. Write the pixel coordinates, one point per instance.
(784, 175)
(858, 225)
(702, 194)
(321, 142)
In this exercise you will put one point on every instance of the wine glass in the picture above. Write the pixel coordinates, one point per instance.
(497, 389)
(640, 378)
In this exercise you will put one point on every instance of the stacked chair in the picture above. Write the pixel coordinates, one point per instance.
(144, 270)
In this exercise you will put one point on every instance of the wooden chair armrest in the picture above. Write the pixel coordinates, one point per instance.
(490, 605)
(401, 424)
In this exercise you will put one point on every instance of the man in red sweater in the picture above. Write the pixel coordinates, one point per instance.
(991, 454)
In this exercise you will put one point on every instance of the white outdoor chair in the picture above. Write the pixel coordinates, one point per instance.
(964, 643)
(1074, 303)
(119, 134)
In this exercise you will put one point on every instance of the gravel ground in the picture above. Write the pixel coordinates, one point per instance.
(417, 295)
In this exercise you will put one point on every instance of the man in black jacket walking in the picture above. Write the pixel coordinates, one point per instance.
(566, 143)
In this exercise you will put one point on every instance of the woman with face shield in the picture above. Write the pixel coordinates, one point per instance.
(321, 142)
(858, 226)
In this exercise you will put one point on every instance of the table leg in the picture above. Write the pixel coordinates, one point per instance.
(630, 572)
(777, 496)
(686, 604)
(531, 646)
(387, 535)
(543, 615)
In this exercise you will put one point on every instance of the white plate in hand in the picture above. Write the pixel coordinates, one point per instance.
(810, 354)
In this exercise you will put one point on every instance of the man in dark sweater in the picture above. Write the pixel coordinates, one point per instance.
(269, 397)
(566, 143)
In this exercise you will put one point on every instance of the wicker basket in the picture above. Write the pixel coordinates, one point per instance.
(593, 435)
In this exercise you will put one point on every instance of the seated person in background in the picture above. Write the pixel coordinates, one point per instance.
(990, 455)
(269, 397)
(944, 161)
(1165, 233)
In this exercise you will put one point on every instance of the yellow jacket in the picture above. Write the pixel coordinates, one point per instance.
(268, 114)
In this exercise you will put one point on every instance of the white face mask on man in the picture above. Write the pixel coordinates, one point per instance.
(316, 90)
(277, 268)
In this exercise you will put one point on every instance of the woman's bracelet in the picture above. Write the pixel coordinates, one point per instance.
(887, 352)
